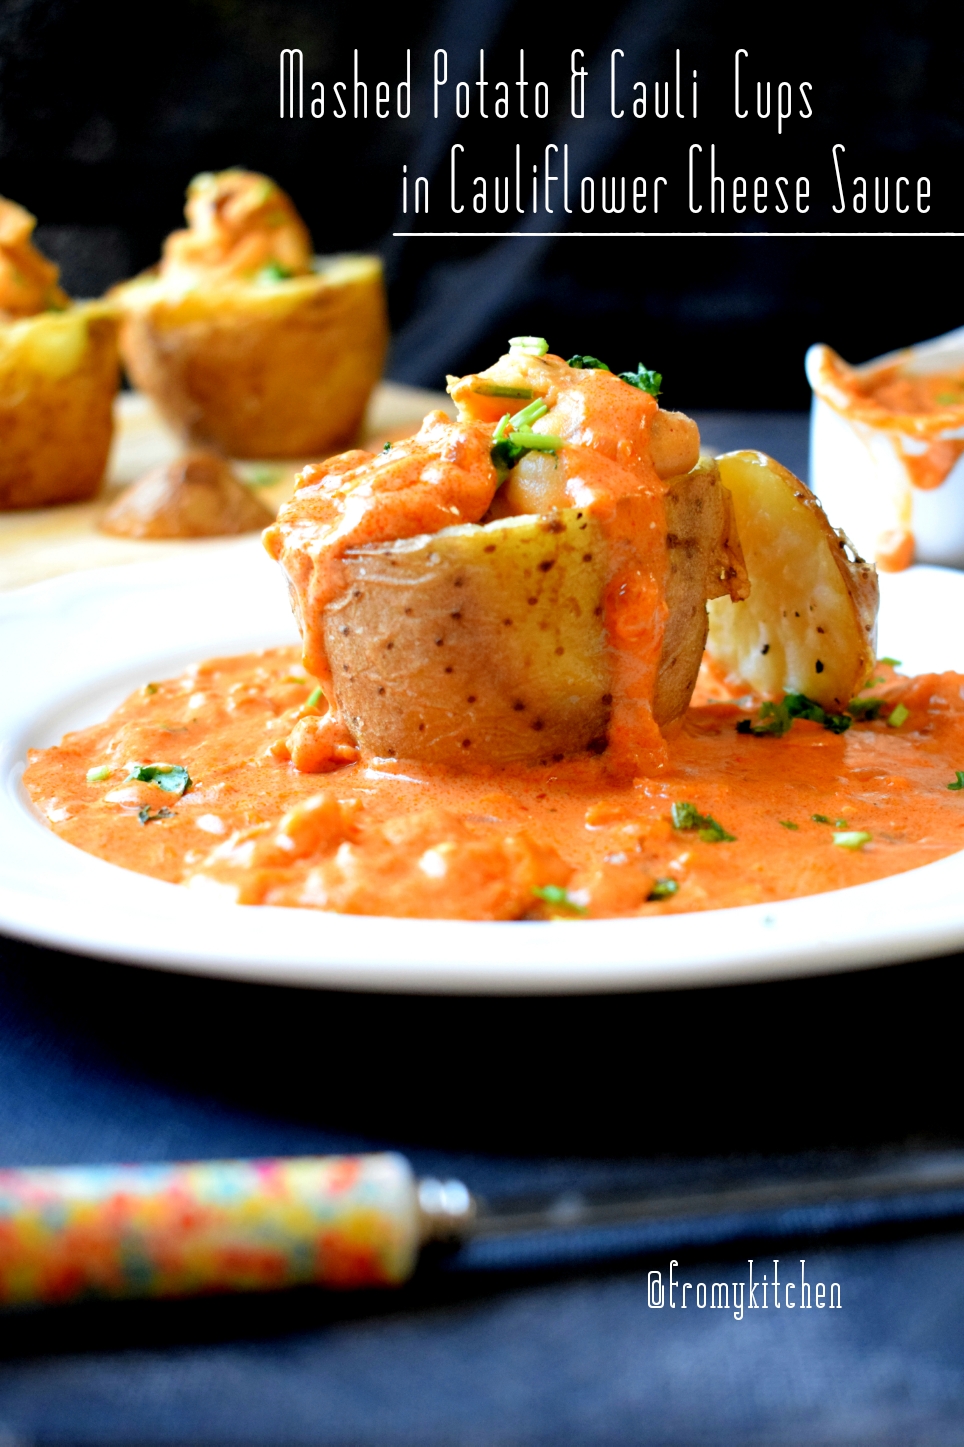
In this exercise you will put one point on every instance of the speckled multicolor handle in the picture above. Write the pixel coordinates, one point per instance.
(184, 1230)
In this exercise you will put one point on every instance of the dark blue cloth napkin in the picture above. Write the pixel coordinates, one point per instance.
(551, 1340)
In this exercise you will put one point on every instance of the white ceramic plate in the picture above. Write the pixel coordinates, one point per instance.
(76, 646)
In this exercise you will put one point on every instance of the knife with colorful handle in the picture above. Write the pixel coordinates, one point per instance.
(216, 1226)
(84, 1232)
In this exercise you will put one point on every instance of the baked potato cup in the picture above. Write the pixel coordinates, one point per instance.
(487, 643)
(269, 369)
(809, 623)
(58, 377)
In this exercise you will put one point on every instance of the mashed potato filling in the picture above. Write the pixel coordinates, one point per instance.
(28, 281)
(240, 224)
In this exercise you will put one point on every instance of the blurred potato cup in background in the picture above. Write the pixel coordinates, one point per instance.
(243, 339)
(58, 377)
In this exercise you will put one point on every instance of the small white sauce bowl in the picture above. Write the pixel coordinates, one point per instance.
(858, 468)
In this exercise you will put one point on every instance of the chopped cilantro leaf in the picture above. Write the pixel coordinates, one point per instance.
(865, 710)
(662, 888)
(144, 815)
(959, 781)
(587, 364)
(506, 454)
(644, 379)
(687, 816)
(788, 824)
(802, 707)
(172, 778)
(899, 715)
(822, 819)
(274, 271)
(777, 718)
(852, 839)
(558, 898)
(387, 447)
(891, 662)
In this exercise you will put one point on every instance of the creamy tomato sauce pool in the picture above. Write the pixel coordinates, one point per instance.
(218, 807)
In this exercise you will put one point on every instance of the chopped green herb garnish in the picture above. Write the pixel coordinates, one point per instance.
(535, 441)
(687, 816)
(499, 389)
(644, 379)
(102, 772)
(505, 455)
(959, 781)
(314, 697)
(263, 476)
(558, 898)
(822, 819)
(865, 710)
(274, 271)
(513, 436)
(662, 888)
(529, 414)
(788, 824)
(899, 715)
(947, 399)
(150, 688)
(144, 815)
(531, 346)
(777, 718)
(852, 839)
(172, 778)
(387, 447)
(891, 662)
(588, 364)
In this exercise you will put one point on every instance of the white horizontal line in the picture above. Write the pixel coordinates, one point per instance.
(680, 235)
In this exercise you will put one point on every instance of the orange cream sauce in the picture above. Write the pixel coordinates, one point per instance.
(387, 837)
(898, 392)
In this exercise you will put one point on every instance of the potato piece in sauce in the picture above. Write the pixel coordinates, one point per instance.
(809, 623)
(197, 496)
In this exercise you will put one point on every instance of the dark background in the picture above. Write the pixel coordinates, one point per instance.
(108, 109)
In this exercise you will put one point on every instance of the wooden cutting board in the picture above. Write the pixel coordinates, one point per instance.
(45, 542)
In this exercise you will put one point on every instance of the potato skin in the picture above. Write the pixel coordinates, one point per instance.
(809, 623)
(487, 644)
(283, 370)
(58, 377)
(476, 643)
(704, 561)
